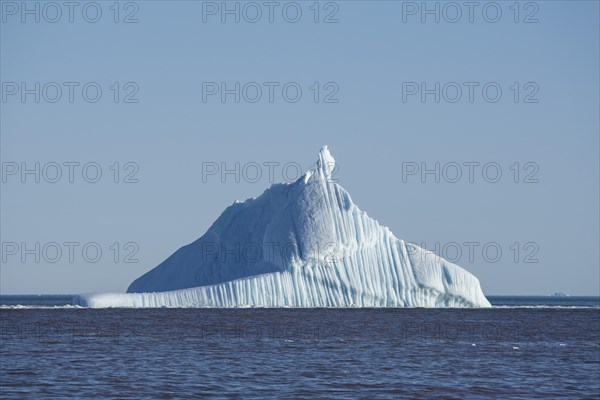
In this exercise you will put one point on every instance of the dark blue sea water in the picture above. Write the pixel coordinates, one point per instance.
(523, 348)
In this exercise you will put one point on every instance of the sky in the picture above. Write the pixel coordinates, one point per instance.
(127, 128)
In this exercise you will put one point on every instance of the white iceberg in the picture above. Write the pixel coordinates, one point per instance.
(300, 244)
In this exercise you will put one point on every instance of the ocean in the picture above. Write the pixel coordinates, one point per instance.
(522, 348)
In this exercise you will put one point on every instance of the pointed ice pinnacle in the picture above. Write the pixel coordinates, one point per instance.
(304, 244)
(325, 163)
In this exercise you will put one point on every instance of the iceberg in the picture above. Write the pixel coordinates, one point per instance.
(299, 244)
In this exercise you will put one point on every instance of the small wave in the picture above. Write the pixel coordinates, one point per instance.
(545, 306)
(35, 307)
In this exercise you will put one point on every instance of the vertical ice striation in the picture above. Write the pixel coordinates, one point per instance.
(304, 244)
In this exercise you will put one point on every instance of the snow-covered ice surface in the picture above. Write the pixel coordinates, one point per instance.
(303, 244)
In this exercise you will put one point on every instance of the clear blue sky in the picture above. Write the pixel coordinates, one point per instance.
(369, 54)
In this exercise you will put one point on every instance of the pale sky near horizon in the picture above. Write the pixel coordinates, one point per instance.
(361, 79)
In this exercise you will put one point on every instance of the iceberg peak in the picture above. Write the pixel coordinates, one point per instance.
(325, 163)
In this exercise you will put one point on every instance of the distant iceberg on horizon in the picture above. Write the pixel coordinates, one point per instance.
(300, 244)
